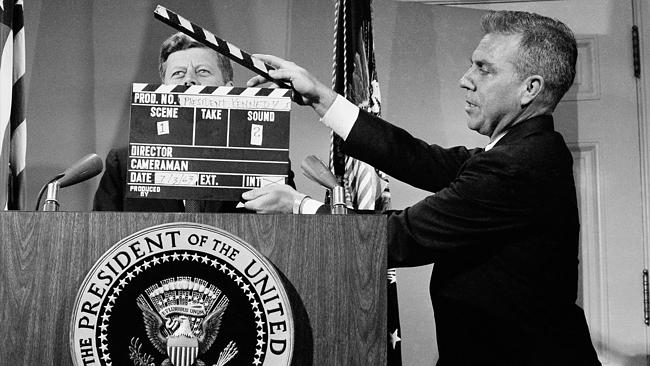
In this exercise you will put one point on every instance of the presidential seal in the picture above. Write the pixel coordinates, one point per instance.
(182, 294)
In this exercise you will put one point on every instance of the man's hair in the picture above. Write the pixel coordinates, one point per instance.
(180, 41)
(547, 48)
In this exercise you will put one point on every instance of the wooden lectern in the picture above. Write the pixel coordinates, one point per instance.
(335, 267)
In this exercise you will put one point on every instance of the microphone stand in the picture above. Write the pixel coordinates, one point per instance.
(86, 168)
(338, 201)
(51, 197)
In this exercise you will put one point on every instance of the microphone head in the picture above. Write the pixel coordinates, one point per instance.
(86, 168)
(314, 169)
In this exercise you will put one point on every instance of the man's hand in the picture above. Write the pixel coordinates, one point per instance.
(311, 91)
(275, 198)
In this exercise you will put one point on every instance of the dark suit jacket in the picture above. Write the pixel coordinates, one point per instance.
(502, 232)
(110, 195)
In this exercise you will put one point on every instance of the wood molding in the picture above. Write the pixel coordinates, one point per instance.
(593, 261)
(586, 85)
(641, 17)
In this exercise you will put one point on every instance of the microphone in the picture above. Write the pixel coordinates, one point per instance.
(314, 169)
(84, 169)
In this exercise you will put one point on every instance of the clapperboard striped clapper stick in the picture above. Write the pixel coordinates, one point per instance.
(223, 47)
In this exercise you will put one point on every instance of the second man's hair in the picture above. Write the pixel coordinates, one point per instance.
(181, 41)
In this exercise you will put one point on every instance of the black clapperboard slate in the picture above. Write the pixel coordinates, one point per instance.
(206, 142)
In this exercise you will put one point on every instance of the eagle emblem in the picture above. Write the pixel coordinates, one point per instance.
(182, 316)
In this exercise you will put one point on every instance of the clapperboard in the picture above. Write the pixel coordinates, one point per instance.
(222, 46)
(206, 142)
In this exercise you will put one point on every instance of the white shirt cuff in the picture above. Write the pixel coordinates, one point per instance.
(340, 117)
(310, 206)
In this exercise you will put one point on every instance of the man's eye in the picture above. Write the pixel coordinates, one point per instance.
(178, 74)
(203, 72)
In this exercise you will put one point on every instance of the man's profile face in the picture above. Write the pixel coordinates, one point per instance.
(492, 100)
(194, 66)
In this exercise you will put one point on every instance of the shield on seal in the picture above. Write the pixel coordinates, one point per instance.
(182, 351)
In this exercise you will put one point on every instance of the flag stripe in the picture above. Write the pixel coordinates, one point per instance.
(19, 53)
(12, 106)
(17, 105)
(17, 19)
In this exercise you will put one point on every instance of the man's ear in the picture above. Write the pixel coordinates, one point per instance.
(533, 85)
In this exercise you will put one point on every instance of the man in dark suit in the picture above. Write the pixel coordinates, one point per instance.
(502, 227)
(183, 61)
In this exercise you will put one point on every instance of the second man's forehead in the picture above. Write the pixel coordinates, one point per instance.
(195, 55)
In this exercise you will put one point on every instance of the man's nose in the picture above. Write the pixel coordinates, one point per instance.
(465, 81)
(190, 79)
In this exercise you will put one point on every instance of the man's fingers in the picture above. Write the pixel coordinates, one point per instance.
(256, 80)
(283, 74)
(253, 194)
(262, 204)
(274, 61)
(258, 192)
(275, 198)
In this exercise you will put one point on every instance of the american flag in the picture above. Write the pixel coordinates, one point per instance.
(354, 76)
(12, 105)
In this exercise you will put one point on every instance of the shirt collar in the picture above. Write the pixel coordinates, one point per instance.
(494, 142)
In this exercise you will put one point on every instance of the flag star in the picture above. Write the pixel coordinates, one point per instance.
(146, 265)
(103, 327)
(185, 256)
(258, 352)
(165, 258)
(106, 357)
(254, 304)
(195, 257)
(238, 280)
(138, 269)
(104, 348)
(111, 299)
(246, 287)
(105, 317)
(257, 361)
(156, 260)
(231, 273)
(250, 296)
(260, 343)
(123, 282)
(205, 259)
(130, 275)
(214, 263)
(175, 256)
(117, 291)
(260, 333)
(103, 337)
(258, 314)
(394, 338)
(108, 308)
(260, 323)
(223, 267)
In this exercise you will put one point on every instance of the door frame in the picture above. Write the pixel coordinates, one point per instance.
(641, 16)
